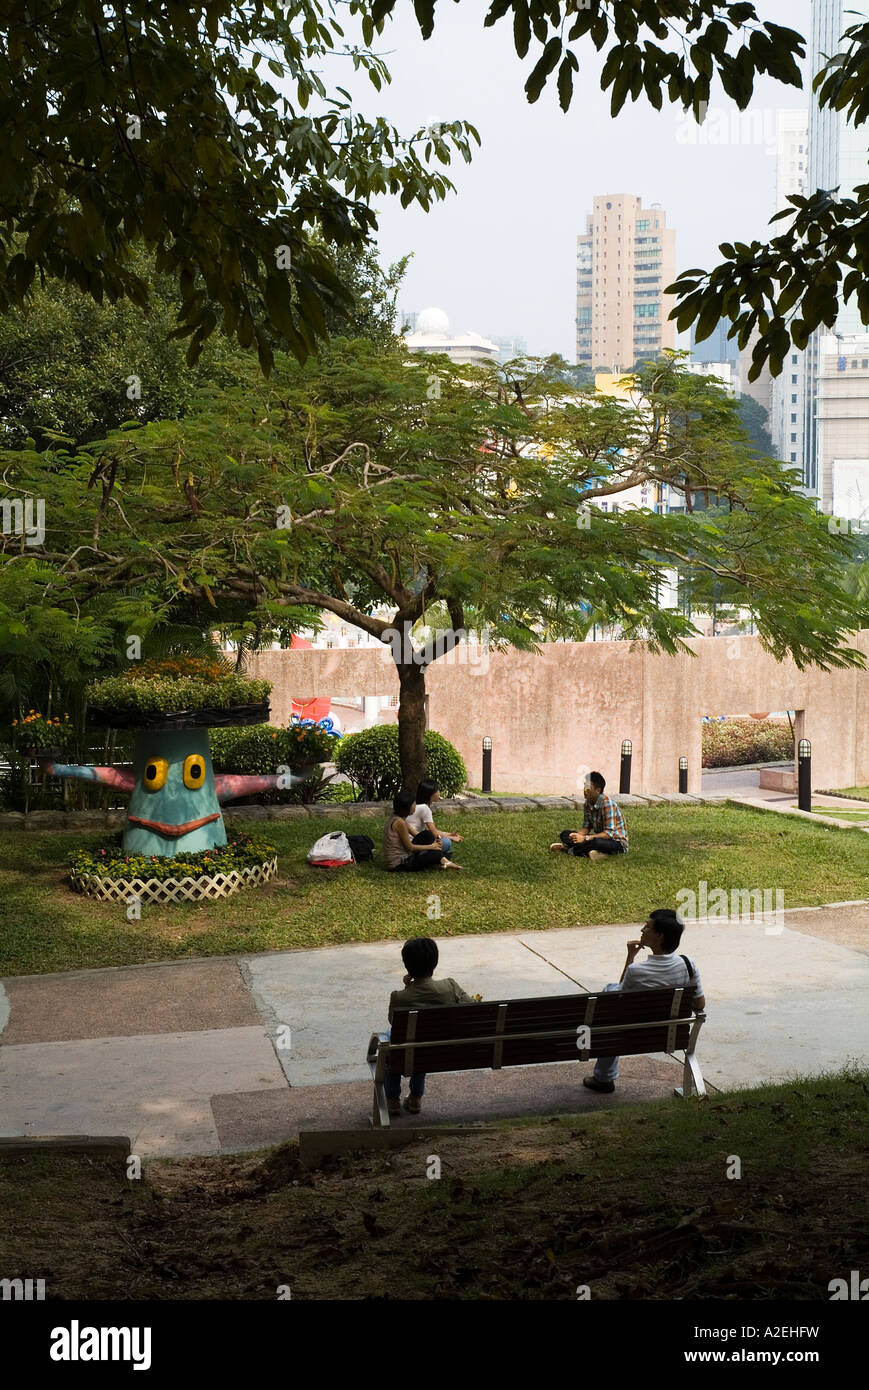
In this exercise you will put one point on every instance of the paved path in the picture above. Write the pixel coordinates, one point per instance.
(223, 1054)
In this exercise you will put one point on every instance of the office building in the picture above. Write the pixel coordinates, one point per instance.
(838, 154)
(624, 260)
(786, 409)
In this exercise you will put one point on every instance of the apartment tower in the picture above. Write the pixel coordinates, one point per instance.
(835, 367)
(624, 260)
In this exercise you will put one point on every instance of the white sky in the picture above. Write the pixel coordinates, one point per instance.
(499, 255)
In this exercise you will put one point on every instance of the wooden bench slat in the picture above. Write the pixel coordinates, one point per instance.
(530, 1015)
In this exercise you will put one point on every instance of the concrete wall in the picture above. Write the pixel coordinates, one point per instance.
(553, 716)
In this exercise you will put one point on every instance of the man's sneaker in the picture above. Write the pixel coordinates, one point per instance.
(594, 1085)
(596, 854)
(394, 1106)
(413, 1105)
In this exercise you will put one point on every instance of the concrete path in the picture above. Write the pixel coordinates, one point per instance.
(224, 1054)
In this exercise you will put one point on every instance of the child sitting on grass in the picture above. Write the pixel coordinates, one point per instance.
(421, 991)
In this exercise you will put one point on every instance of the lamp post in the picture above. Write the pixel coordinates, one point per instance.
(487, 765)
(683, 774)
(804, 774)
(625, 772)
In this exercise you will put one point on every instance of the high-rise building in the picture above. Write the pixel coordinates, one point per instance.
(510, 348)
(786, 413)
(717, 347)
(624, 259)
(838, 154)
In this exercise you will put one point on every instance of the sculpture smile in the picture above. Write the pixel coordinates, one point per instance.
(173, 831)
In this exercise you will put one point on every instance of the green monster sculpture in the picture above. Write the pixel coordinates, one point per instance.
(175, 796)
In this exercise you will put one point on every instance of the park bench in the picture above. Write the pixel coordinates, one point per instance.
(518, 1032)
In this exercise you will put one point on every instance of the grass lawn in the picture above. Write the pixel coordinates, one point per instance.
(859, 793)
(834, 811)
(511, 882)
(635, 1203)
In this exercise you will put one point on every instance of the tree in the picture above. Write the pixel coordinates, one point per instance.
(131, 123)
(374, 485)
(74, 368)
(375, 298)
(755, 421)
(134, 122)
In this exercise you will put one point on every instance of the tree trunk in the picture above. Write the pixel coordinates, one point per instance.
(411, 724)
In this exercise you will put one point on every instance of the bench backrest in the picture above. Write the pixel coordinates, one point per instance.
(465, 1037)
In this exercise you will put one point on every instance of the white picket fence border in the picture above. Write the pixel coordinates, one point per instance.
(173, 890)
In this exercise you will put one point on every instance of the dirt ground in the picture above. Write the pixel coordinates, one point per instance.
(536, 1211)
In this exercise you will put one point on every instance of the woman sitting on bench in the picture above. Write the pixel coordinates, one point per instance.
(406, 852)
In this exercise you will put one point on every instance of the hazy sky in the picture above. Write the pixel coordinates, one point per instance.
(499, 255)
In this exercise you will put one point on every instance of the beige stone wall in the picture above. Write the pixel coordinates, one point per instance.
(553, 716)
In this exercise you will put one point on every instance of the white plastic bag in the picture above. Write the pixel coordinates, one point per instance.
(331, 851)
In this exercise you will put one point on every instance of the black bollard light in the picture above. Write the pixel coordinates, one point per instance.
(683, 774)
(625, 773)
(487, 765)
(804, 775)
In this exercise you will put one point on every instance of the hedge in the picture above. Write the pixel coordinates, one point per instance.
(736, 741)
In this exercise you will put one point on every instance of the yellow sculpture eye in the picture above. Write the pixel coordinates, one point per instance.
(194, 771)
(156, 772)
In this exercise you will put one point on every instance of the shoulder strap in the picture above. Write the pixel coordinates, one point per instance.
(689, 967)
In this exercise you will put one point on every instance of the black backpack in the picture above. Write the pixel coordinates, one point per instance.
(362, 847)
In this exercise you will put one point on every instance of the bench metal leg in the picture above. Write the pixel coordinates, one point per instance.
(381, 1107)
(692, 1079)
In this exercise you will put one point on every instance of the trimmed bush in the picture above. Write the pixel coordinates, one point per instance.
(175, 684)
(261, 748)
(370, 760)
(739, 741)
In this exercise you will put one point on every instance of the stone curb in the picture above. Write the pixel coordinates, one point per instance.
(366, 810)
(813, 816)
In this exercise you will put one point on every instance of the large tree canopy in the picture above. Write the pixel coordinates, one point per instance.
(373, 485)
(140, 122)
(136, 122)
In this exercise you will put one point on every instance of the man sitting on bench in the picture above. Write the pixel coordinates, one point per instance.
(603, 825)
(664, 969)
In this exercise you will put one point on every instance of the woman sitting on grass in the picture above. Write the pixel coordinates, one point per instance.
(402, 852)
(420, 818)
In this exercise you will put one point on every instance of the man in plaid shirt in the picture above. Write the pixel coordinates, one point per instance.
(603, 825)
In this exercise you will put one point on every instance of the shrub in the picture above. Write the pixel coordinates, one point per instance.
(738, 741)
(175, 684)
(370, 760)
(262, 748)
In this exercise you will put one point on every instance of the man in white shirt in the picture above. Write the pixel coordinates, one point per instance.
(663, 969)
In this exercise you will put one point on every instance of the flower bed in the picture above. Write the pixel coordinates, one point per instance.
(173, 890)
(111, 875)
(113, 861)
